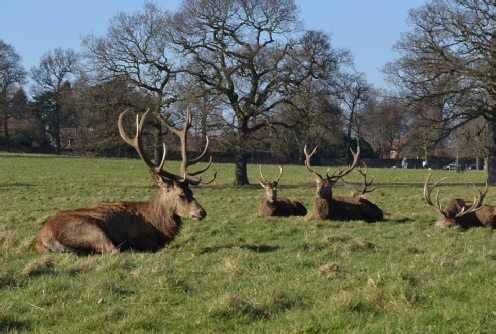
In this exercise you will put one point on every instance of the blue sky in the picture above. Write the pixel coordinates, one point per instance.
(367, 28)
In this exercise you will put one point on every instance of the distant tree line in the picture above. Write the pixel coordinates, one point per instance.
(256, 81)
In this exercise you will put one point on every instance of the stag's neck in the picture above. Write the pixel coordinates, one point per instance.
(322, 208)
(161, 215)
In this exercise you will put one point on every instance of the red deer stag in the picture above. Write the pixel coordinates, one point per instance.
(142, 226)
(272, 205)
(339, 208)
(459, 212)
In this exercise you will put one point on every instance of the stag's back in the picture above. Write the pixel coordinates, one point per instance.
(281, 207)
(357, 208)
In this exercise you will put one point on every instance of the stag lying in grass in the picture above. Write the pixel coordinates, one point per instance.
(327, 206)
(272, 205)
(142, 226)
(459, 212)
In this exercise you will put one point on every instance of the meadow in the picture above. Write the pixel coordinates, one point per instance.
(238, 272)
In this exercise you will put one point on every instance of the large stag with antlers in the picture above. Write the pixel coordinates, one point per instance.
(142, 226)
(331, 207)
(459, 212)
(272, 205)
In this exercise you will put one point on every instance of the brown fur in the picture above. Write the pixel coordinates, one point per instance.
(272, 205)
(484, 217)
(327, 207)
(108, 227)
(459, 212)
(357, 207)
(142, 226)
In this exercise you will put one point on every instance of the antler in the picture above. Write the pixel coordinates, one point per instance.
(137, 143)
(338, 174)
(265, 180)
(477, 203)
(341, 173)
(183, 137)
(365, 183)
(307, 160)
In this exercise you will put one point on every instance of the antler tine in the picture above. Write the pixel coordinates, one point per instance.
(137, 143)
(343, 172)
(198, 159)
(428, 187)
(365, 183)
(261, 174)
(280, 173)
(352, 187)
(183, 137)
(477, 205)
(307, 160)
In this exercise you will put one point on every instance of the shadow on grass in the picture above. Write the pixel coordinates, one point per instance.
(403, 220)
(16, 184)
(9, 324)
(257, 248)
(260, 248)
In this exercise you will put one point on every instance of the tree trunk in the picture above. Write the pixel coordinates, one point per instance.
(6, 132)
(241, 172)
(58, 146)
(491, 165)
(347, 154)
(5, 113)
(242, 139)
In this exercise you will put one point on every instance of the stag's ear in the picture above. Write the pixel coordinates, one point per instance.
(161, 181)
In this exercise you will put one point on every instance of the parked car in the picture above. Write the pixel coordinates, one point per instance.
(462, 165)
(474, 166)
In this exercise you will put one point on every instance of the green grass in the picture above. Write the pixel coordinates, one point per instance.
(237, 272)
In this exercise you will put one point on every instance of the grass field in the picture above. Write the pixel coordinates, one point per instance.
(237, 272)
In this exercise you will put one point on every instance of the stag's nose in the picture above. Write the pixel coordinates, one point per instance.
(198, 214)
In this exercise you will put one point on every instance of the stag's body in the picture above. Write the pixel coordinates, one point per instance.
(107, 227)
(273, 205)
(483, 217)
(142, 226)
(460, 212)
(282, 207)
(329, 207)
(345, 208)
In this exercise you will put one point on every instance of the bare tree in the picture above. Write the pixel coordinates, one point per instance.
(245, 52)
(12, 75)
(472, 140)
(449, 62)
(353, 93)
(386, 119)
(136, 49)
(52, 84)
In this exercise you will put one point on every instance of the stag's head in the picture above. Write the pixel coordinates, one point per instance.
(270, 187)
(174, 188)
(447, 217)
(324, 185)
